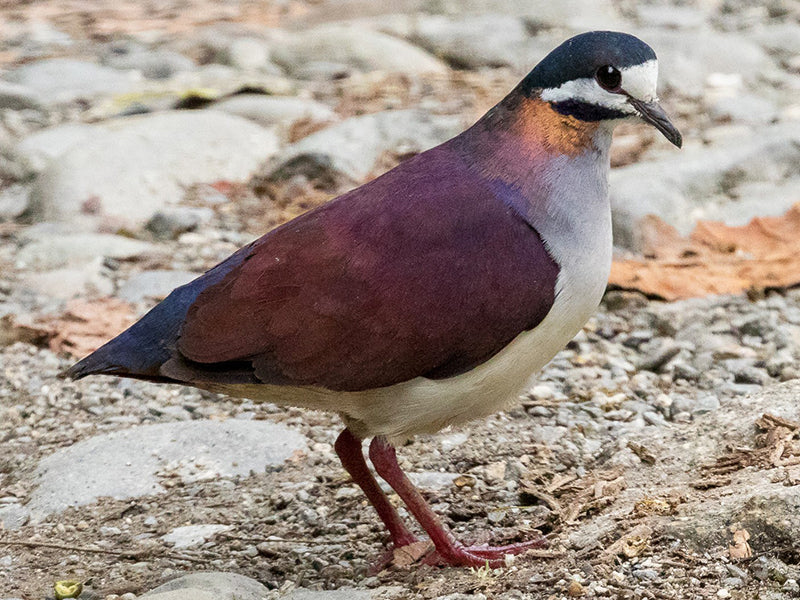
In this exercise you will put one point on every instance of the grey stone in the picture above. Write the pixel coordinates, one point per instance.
(190, 536)
(750, 374)
(38, 149)
(705, 404)
(13, 201)
(34, 36)
(219, 585)
(361, 49)
(570, 14)
(670, 17)
(18, 97)
(62, 79)
(433, 480)
(780, 39)
(189, 593)
(152, 64)
(68, 283)
(756, 198)
(13, 516)
(473, 41)
(322, 70)
(744, 108)
(55, 251)
(126, 463)
(154, 285)
(646, 574)
(169, 223)
(340, 594)
(353, 147)
(248, 54)
(143, 164)
(695, 54)
(283, 111)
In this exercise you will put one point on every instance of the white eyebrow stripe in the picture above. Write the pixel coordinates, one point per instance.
(639, 81)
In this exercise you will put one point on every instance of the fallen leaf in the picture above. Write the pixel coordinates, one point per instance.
(740, 549)
(86, 325)
(643, 452)
(464, 481)
(575, 589)
(631, 544)
(410, 554)
(652, 506)
(714, 259)
(67, 588)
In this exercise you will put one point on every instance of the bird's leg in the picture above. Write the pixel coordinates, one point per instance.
(449, 549)
(348, 448)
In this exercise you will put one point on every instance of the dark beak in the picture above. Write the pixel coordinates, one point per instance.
(651, 112)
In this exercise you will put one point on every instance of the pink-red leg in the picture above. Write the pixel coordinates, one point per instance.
(448, 548)
(348, 448)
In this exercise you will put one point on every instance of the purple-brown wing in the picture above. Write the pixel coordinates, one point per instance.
(422, 272)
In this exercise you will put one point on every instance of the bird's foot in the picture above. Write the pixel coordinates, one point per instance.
(478, 556)
(453, 555)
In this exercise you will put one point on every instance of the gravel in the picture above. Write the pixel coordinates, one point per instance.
(659, 437)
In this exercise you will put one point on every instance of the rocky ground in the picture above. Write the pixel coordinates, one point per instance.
(659, 452)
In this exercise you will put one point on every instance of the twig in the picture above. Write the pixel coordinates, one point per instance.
(281, 540)
(128, 554)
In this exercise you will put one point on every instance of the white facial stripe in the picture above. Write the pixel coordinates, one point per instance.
(639, 81)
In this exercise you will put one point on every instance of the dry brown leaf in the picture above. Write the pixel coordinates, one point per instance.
(410, 554)
(649, 506)
(715, 259)
(740, 549)
(774, 447)
(631, 544)
(643, 452)
(87, 324)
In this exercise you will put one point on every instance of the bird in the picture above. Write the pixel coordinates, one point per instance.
(429, 296)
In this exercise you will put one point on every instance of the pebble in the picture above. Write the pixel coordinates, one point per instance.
(790, 586)
(169, 223)
(191, 536)
(248, 54)
(14, 201)
(13, 516)
(18, 97)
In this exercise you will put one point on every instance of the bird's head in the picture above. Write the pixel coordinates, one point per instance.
(602, 76)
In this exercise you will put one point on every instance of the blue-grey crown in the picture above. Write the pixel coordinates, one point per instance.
(583, 54)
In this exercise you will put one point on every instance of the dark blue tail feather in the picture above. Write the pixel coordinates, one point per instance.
(140, 350)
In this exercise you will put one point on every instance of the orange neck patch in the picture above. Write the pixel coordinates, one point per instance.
(536, 122)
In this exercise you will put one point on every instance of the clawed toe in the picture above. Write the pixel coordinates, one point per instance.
(458, 555)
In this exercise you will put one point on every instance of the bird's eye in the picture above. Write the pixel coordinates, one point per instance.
(608, 77)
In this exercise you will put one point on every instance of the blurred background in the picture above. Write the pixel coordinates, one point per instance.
(143, 142)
